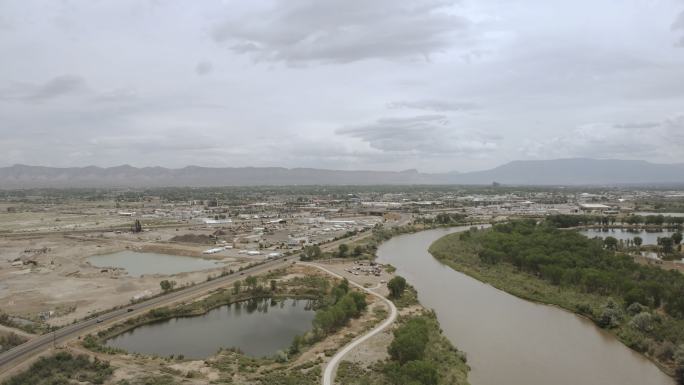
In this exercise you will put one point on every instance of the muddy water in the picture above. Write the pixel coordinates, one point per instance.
(257, 327)
(509, 340)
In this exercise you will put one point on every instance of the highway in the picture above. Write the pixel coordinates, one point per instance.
(19, 354)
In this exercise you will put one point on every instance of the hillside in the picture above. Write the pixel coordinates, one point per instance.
(537, 172)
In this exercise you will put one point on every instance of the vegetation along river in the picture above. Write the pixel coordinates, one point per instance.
(509, 340)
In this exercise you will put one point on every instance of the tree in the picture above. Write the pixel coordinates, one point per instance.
(312, 252)
(677, 237)
(358, 250)
(236, 287)
(342, 250)
(167, 285)
(274, 285)
(409, 341)
(419, 372)
(297, 343)
(666, 243)
(251, 282)
(137, 226)
(396, 286)
(638, 241)
(611, 243)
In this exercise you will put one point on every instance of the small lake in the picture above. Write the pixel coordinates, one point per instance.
(645, 213)
(137, 264)
(509, 340)
(649, 237)
(257, 327)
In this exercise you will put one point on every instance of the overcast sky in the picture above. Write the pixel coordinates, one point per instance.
(435, 85)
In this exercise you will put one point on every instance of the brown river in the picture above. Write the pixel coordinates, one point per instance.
(509, 340)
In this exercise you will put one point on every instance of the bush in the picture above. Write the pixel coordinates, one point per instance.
(63, 368)
(413, 372)
(610, 316)
(409, 341)
(643, 322)
(10, 340)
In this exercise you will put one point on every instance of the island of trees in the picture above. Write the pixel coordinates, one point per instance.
(643, 305)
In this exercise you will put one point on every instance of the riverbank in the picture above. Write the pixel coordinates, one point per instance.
(652, 333)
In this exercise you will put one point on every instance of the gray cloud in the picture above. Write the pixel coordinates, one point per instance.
(53, 88)
(636, 125)
(116, 95)
(679, 25)
(433, 105)
(59, 86)
(425, 134)
(343, 31)
(204, 68)
(632, 140)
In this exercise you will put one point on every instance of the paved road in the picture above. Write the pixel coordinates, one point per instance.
(331, 368)
(18, 354)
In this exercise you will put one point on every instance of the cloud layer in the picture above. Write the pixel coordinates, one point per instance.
(426, 135)
(436, 85)
(341, 31)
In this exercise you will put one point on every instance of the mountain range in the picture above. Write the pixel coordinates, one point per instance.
(577, 171)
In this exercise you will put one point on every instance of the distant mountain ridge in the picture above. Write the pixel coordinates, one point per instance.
(578, 171)
(23, 176)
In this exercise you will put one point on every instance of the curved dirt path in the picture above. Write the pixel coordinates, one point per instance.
(331, 368)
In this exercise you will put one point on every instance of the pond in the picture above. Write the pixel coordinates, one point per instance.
(137, 264)
(645, 213)
(648, 237)
(509, 340)
(257, 327)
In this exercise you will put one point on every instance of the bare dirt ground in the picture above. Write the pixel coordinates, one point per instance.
(346, 269)
(60, 280)
(667, 265)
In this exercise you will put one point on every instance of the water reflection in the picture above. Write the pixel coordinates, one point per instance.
(258, 327)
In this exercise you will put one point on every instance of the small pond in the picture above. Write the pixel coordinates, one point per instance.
(648, 237)
(257, 327)
(137, 264)
(646, 213)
